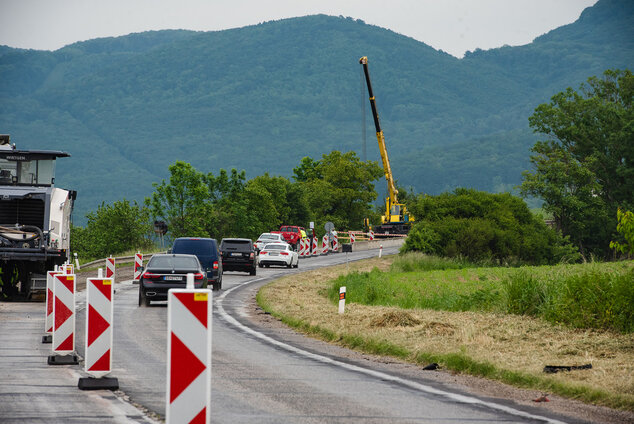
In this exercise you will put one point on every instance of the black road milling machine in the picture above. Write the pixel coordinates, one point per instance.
(35, 220)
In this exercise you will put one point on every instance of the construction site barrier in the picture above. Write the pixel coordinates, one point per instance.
(189, 323)
(50, 297)
(63, 320)
(111, 268)
(138, 263)
(98, 360)
(324, 245)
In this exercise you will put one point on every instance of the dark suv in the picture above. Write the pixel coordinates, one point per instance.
(206, 250)
(238, 254)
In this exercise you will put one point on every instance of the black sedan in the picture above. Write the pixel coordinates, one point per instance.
(164, 272)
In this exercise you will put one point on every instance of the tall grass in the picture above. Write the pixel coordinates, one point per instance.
(599, 296)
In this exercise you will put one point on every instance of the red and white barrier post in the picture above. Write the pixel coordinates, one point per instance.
(313, 251)
(138, 263)
(324, 245)
(63, 320)
(189, 322)
(371, 235)
(352, 237)
(335, 243)
(342, 299)
(110, 269)
(380, 250)
(48, 322)
(98, 353)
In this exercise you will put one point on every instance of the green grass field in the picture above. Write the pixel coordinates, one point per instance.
(591, 295)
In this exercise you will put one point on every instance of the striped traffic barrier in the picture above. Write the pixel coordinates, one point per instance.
(352, 237)
(324, 245)
(138, 264)
(302, 248)
(98, 353)
(110, 268)
(335, 243)
(48, 322)
(63, 320)
(371, 235)
(69, 268)
(313, 250)
(189, 323)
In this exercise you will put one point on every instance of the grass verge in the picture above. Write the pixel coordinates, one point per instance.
(507, 348)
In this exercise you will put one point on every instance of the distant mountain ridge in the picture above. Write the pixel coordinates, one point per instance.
(262, 97)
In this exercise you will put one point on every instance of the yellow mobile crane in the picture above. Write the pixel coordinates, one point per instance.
(396, 219)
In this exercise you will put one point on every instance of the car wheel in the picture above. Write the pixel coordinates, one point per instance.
(253, 270)
(143, 300)
(296, 265)
(261, 266)
(290, 264)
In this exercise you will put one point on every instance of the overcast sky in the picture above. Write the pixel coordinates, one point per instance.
(454, 26)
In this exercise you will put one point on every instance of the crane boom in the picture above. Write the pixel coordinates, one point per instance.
(396, 218)
(393, 192)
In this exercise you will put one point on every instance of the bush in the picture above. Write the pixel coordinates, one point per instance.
(482, 226)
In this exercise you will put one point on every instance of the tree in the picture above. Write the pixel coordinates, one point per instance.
(113, 229)
(183, 201)
(340, 188)
(585, 170)
(625, 228)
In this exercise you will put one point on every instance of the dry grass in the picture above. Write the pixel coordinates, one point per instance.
(514, 343)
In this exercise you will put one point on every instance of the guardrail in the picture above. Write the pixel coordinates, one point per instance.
(120, 259)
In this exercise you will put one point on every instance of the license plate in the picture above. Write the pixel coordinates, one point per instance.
(236, 254)
(172, 278)
(274, 254)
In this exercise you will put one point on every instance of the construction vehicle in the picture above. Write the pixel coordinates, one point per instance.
(396, 219)
(34, 220)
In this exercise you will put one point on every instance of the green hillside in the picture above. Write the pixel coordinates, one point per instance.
(262, 97)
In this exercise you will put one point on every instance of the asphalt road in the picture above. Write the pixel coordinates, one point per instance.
(259, 374)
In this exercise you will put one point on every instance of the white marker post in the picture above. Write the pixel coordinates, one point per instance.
(380, 250)
(342, 299)
(48, 322)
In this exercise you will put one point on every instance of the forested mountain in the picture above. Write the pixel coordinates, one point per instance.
(262, 97)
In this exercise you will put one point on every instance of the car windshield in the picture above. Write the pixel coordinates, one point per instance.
(173, 262)
(275, 247)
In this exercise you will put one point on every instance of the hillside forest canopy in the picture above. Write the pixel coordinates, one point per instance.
(584, 173)
(262, 97)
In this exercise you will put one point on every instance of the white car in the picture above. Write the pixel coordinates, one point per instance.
(278, 254)
(268, 238)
